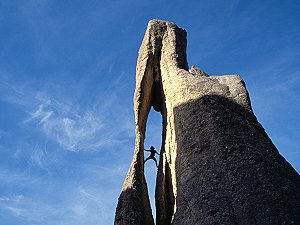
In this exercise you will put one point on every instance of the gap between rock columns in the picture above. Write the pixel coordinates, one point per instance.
(217, 164)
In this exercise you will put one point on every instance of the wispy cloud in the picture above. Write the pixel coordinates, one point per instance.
(39, 156)
(27, 208)
(70, 129)
(8, 177)
(70, 203)
(63, 120)
(31, 210)
(88, 202)
(64, 187)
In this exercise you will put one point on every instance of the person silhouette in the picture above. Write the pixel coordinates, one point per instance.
(152, 155)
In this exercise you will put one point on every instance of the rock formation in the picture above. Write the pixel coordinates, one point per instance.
(196, 71)
(217, 164)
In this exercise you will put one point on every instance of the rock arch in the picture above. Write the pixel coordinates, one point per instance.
(218, 166)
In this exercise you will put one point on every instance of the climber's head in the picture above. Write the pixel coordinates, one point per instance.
(152, 148)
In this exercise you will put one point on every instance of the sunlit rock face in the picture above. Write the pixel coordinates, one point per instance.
(217, 164)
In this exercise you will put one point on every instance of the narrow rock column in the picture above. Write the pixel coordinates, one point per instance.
(217, 164)
(134, 205)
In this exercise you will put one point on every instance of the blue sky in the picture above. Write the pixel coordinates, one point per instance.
(67, 77)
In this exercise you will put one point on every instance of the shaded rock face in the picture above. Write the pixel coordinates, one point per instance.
(217, 164)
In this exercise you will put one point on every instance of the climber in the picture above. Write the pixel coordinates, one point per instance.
(152, 155)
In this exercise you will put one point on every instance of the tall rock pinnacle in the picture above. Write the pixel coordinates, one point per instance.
(217, 164)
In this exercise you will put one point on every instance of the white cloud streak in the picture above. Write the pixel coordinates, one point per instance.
(70, 131)
(64, 121)
(88, 192)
